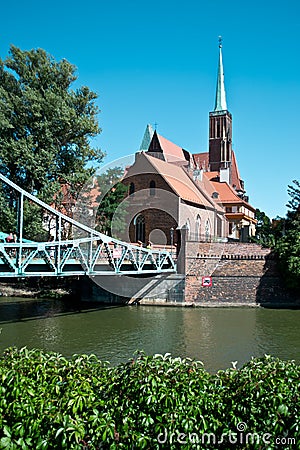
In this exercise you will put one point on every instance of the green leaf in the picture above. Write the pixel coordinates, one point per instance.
(283, 409)
(7, 431)
(5, 442)
(59, 431)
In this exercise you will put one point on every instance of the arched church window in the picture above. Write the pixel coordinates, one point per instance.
(198, 228)
(152, 187)
(131, 189)
(188, 226)
(219, 225)
(207, 231)
(139, 223)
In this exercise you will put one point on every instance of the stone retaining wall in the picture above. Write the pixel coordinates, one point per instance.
(242, 274)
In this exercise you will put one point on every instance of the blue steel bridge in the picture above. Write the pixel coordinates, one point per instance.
(92, 253)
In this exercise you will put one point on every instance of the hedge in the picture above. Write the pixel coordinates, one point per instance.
(150, 402)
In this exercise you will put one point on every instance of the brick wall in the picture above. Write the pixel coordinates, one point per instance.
(156, 219)
(242, 274)
(159, 210)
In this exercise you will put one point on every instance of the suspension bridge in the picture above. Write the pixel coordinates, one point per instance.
(88, 253)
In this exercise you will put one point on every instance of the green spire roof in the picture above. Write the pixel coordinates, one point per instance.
(147, 138)
(220, 104)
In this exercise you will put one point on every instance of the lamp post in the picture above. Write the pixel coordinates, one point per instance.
(172, 240)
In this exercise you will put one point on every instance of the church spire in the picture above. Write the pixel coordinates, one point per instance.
(220, 126)
(220, 104)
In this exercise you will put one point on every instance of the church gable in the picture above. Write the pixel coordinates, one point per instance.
(143, 173)
(162, 148)
(155, 148)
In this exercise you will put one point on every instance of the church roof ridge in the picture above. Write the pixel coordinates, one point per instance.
(170, 148)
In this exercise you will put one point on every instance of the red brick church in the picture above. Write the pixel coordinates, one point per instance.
(169, 187)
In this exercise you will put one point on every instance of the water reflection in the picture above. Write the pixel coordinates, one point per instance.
(216, 336)
(283, 327)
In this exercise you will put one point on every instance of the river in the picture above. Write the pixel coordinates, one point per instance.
(215, 336)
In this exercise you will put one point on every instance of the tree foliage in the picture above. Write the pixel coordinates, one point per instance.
(288, 247)
(45, 127)
(294, 193)
(267, 231)
(264, 232)
(113, 193)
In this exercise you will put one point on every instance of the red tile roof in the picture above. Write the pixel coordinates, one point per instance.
(212, 175)
(170, 150)
(206, 186)
(202, 160)
(176, 177)
(226, 193)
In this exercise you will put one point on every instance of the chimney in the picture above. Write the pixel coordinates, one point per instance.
(225, 175)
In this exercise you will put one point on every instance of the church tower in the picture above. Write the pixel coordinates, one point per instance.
(220, 126)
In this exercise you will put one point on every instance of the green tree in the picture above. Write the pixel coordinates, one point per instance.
(113, 193)
(45, 129)
(288, 247)
(266, 232)
(294, 193)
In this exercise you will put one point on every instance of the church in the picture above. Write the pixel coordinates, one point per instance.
(170, 188)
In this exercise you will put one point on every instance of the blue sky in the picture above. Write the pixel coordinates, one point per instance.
(157, 62)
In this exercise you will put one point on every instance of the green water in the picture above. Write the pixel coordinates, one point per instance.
(215, 336)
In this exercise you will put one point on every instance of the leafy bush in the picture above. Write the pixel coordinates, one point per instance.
(151, 402)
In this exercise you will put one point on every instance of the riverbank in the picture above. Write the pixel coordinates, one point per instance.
(86, 290)
(220, 304)
(10, 291)
(226, 291)
(39, 287)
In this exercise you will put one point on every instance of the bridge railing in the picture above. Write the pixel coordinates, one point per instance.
(85, 256)
(92, 253)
